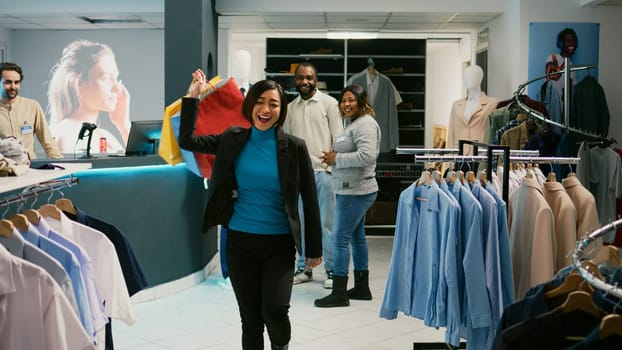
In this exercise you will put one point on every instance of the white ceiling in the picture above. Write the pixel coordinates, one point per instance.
(269, 21)
(73, 21)
(358, 21)
(63, 17)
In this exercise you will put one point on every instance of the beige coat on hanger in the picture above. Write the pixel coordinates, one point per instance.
(475, 128)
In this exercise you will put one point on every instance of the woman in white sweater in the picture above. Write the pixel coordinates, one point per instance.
(353, 161)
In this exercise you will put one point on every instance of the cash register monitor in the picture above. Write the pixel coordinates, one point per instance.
(144, 137)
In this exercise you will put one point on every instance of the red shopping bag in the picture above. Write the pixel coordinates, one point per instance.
(218, 111)
(169, 148)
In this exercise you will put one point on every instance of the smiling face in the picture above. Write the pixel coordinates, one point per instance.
(569, 45)
(266, 110)
(306, 80)
(99, 92)
(11, 81)
(349, 105)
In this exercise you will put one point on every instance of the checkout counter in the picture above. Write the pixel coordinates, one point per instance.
(158, 207)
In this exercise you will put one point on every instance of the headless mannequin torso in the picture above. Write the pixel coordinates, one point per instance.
(469, 117)
(473, 76)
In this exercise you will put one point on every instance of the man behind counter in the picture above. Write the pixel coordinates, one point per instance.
(22, 117)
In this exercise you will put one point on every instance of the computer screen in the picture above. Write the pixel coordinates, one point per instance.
(144, 137)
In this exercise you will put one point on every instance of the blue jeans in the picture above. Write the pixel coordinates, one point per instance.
(349, 228)
(326, 200)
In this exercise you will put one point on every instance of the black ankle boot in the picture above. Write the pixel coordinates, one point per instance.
(280, 347)
(361, 286)
(338, 296)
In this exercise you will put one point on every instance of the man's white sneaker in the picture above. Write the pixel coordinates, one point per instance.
(302, 276)
(328, 282)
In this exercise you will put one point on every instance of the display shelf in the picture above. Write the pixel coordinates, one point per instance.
(37, 176)
(403, 61)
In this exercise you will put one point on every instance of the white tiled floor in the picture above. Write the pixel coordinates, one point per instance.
(205, 316)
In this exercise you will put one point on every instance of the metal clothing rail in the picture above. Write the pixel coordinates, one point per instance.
(447, 158)
(36, 190)
(490, 149)
(408, 150)
(567, 69)
(578, 257)
(545, 160)
(448, 155)
(513, 159)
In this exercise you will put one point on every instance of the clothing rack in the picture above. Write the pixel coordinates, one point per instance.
(567, 69)
(36, 190)
(545, 160)
(578, 257)
(453, 155)
(460, 157)
(509, 156)
(513, 152)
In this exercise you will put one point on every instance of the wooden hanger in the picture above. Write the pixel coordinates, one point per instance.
(610, 325)
(470, 176)
(437, 176)
(20, 221)
(461, 177)
(371, 66)
(593, 269)
(482, 178)
(580, 301)
(551, 177)
(608, 253)
(425, 178)
(66, 205)
(33, 216)
(521, 116)
(50, 211)
(6, 228)
(452, 177)
(571, 283)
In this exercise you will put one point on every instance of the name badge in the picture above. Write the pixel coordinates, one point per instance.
(26, 129)
(340, 138)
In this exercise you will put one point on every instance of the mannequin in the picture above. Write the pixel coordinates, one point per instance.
(473, 76)
(469, 116)
(241, 69)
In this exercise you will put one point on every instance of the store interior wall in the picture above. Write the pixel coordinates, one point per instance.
(447, 54)
(444, 82)
(508, 34)
(509, 43)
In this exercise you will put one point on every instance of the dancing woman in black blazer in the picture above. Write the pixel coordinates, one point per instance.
(259, 174)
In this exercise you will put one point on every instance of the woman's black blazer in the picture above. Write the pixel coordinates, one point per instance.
(295, 174)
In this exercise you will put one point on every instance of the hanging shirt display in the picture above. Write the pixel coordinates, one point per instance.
(384, 98)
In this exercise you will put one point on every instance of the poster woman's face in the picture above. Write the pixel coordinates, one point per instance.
(99, 92)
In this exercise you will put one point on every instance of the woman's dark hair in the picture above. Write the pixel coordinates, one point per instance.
(253, 94)
(8, 66)
(361, 99)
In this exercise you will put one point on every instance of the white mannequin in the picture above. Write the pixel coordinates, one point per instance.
(241, 68)
(469, 116)
(473, 76)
